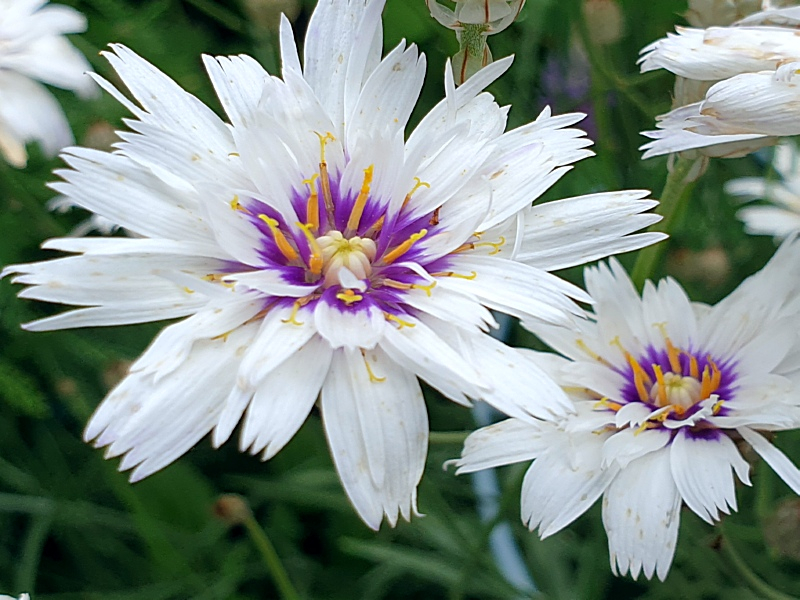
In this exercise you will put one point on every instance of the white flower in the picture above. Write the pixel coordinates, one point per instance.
(663, 389)
(315, 251)
(783, 216)
(22, 597)
(32, 49)
(752, 99)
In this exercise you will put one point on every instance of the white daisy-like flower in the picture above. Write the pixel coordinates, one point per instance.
(782, 217)
(22, 597)
(33, 49)
(749, 69)
(316, 252)
(663, 390)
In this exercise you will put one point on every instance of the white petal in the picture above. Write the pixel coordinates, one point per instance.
(641, 510)
(377, 429)
(630, 444)
(284, 398)
(359, 326)
(702, 471)
(776, 459)
(504, 443)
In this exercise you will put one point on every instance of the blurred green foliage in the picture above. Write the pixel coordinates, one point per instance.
(72, 527)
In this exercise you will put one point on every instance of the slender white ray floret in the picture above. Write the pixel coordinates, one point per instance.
(313, 251)
(662, 391)
(33, 49)
(751, 69)
(782, 216)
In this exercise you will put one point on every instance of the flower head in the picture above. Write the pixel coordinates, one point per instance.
(745, 85)
(32, 49)
(313, 251)
(663, 390)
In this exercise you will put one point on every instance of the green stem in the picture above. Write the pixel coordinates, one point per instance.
(271, 559)
(670, 203)
(447, 437)
(758, 585)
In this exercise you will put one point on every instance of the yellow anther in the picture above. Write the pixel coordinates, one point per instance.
(295, 307)
(717, 407)
(711, 379)
(233, 154)
(188, 290)
(472, 275)
(643, 427)
(398, 320)
(674, 357)
(218, 278)
(591, 353)
(280, 240)
(372, 377)
(662, 387)
(426, 288)
(324, 178)
(418, 184)
(312, 206)
(361, 202)
(495, 245)
(404, 247)
(315, 261)
(223, 336)
(235, 205)
(694, 370)
(349, 297)
(606, 403)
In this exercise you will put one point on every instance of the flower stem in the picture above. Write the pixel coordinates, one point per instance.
(672, 200)
(447, 437)
(271, 558)
(758, 585)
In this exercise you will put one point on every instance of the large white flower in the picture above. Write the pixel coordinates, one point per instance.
(782, 216)
(750, 97)
(32, 49)
(314, 251)
(663, 389)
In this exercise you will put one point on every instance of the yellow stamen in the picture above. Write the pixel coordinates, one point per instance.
(399, 285)
(188, 290)
(361, 202)
(585, 348)
(606, 403)
(640, 378)
(495, 245)
(398, 320)
(298, 304)
(324, 179)
(711, 380)
(674, 356)
(419, 183)
(372, 377)
(280, 240)
(662, 387)
(312, 206)
(315, 261)
(349, 297)
(404, 247)
(236, 206)
(223, 336)
(375, 227)
(694, 370)
(472, 275)
(717, 407)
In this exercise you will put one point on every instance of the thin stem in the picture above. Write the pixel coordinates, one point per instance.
(670, 203)
(758, 585)
(447, 437)
(271, 559)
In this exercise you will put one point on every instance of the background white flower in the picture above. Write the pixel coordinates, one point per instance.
(314, 251)
(746, 101)
(782, 217)
(663, 390)
(33, 49)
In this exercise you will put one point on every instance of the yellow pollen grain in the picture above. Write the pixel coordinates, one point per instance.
(361, 202)
(404, 247)
(280, 240)
(188, 290)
